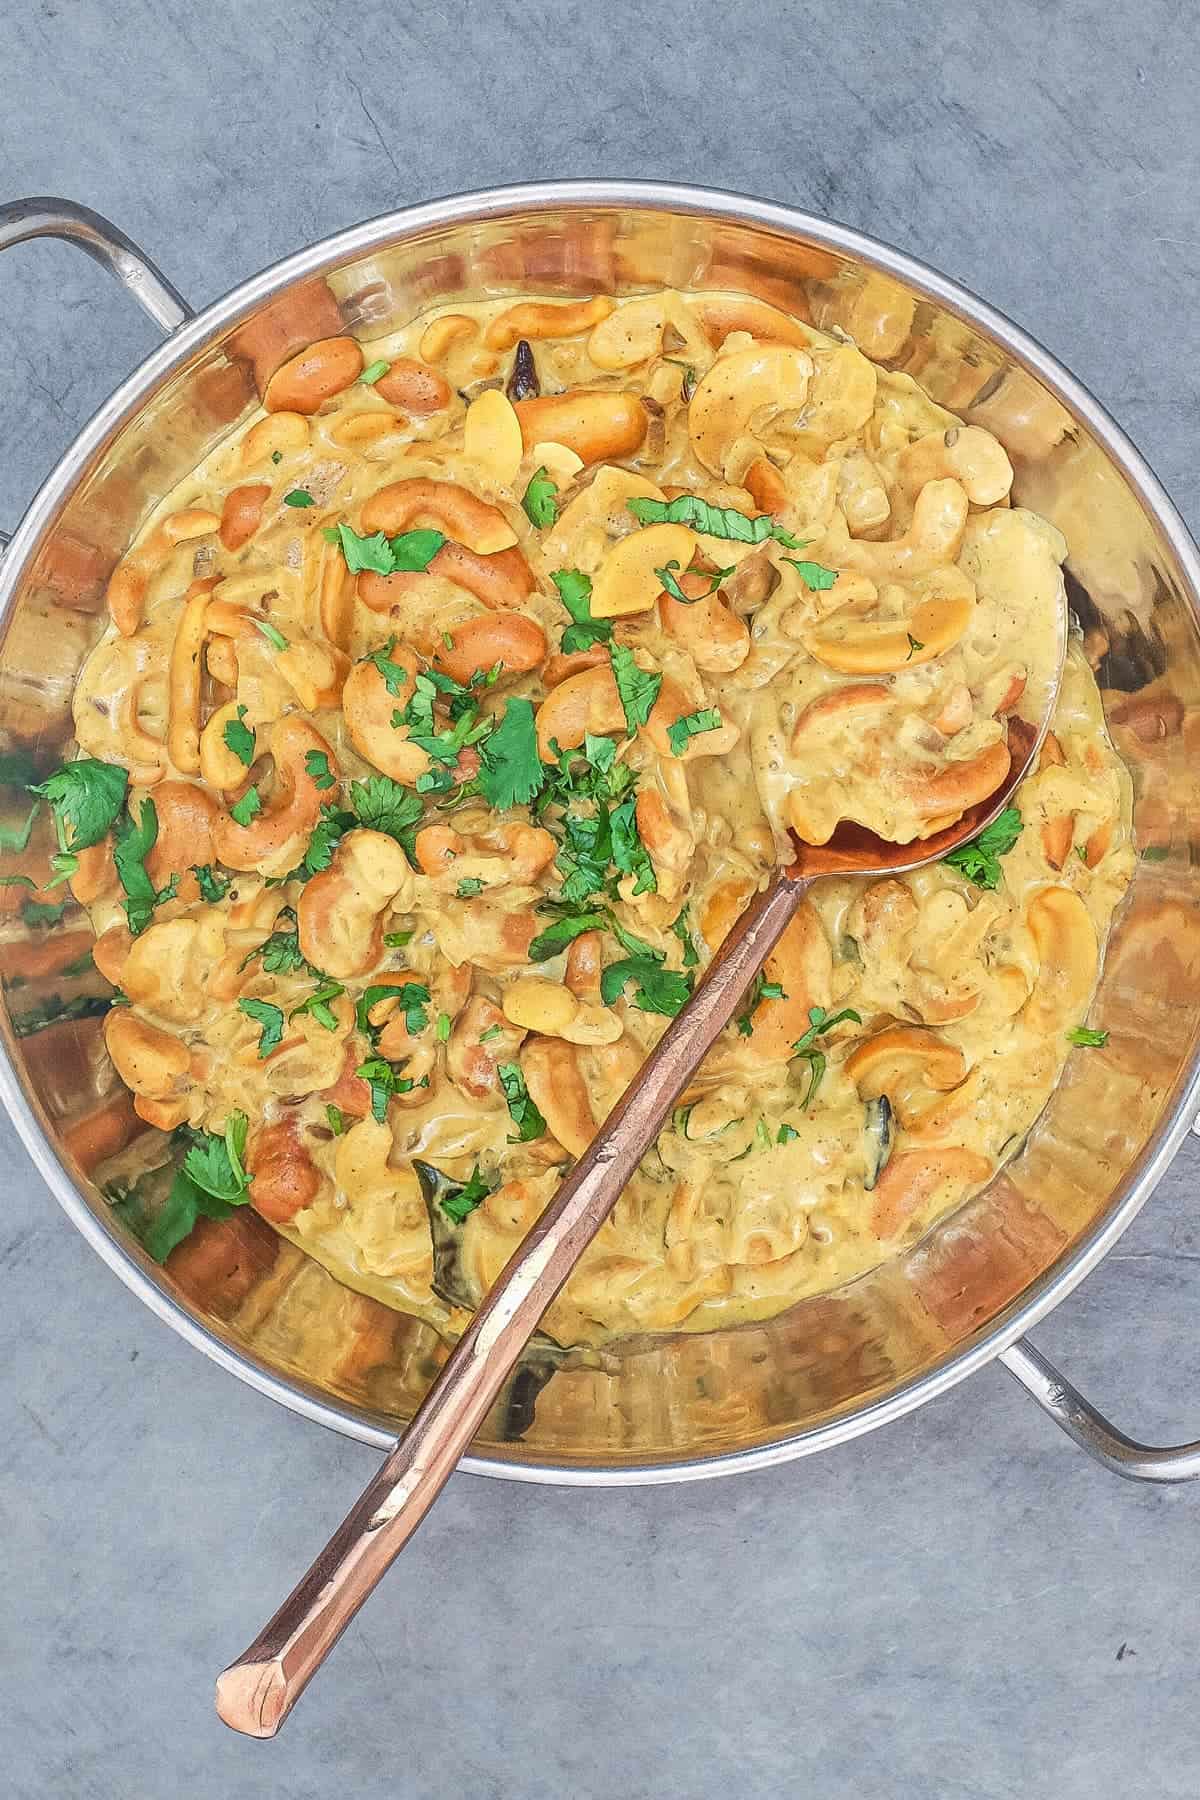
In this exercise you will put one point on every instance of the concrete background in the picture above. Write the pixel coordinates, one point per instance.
(959, 1607)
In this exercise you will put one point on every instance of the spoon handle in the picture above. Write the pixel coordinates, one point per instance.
(256, 1693)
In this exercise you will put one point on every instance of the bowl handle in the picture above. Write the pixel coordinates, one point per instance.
(1090, 1429)
(47, 216)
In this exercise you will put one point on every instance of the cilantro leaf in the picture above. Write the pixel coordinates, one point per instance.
(411, 997)
(659, 990)
(511, 771)
(318, 1005)
(86, 797)
(247, 808)
(214, 1163)
(683, 932)
(564, 931)
(628, 851)
(131, 846)
(1084, 1038)
(714, 577)
(272, 634)
(381, 804)
(269, 1018)
(575, 592)
(337, 1123)
(468, 887)
(384, 1079)
(713, 521)
(327, 834)
(805, 1046)
(979, 860)
(814, 575)
(213, 886)
(690, 725)
(541, 500)
(316, 764)
(521, 1109)
(638, 689)
(395, 675)
(239, 738)
(299, 497)
(760, 989)
(380, 555)
(786, 1134)
(280, 954)
(460, 1204)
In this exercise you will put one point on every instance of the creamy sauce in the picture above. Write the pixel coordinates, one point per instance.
(863, 672)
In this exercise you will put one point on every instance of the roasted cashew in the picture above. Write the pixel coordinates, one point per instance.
(856, 646)
(315, 672)
(218, 764)
(841, 397)
(368, 706)
(496, 853)
(735, 389)
(557, 1088)
(437, 338)
(307, 381)
(274, 840)
(418, 390)
(129, 580)
(903, 1062)
(916, 1177)
(149, 1061)
(588, 702)
(481, 1038)
(385, 1212)
(535, 319)
(284, 1180)
(966, 454)
(463, 516)
(670, 844)
(933, 539)
(720, 315)
(1068, 956)
(716, 639)
(802, 964)
(281, 434)
(945, 795)
(184, 679)
(242, 513)
(513, 640)
(339, 916)
(186, 816)
(634, 332)
(598, 424)
(169, 967)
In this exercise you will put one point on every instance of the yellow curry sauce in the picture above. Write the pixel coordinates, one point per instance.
(437, 851)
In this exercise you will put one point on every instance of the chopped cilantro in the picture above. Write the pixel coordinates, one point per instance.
(384, 1079)
(575, 592)
(541, 500)
(659, 990)
(468, 887)
(786, 1134)
(1084, 1038)
(396, 940)
(381, 804)
(247, 808)
(299, 497)
(36, 913)
(374, 372)
(805, 1046)
(380, 555)
(683, 932)
(442, 1029)
(713, 521)
(86, 797)
(759, 990)
(270, 1020)
(318, 1005)
(564, 931)
(316, 764)
(395, 675)
(690, 725)
(629, 854)
(815, 576)
(637, 687)
(213, 886)
(131, 846)
(215, 1163)
(239, 738)
(714, 577)
(521, 1109)
(411, 997)
(337, 1122)
(273, 636)
(979, 860)
(460, 1204)
(511, 771)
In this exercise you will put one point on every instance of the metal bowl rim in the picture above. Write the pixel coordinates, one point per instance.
(128, 1263)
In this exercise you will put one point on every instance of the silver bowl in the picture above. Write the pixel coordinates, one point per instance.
(674, 1406)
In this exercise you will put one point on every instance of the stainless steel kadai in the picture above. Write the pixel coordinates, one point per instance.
(674, 1406)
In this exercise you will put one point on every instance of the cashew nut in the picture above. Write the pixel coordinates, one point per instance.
(868, 647)
(627, 581)
(588, 702)
(284, 1180)
(129, 580)
(737, 387)
(492, 441)
(242, 513)
(598, 424)
(368, 706)
(901, 1062)
(410, 384)
(543, 319)
(437, 338)
(460, 514)
(915, 1179)
(275, 838)
(557, 1088)
(513, 640)
(305, 382)
(339, 916)
(966, 454)
(149, 1061)
(934, 537)
(1068, 956)
(280, 434)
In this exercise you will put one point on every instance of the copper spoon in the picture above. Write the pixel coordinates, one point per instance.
(256, 1693)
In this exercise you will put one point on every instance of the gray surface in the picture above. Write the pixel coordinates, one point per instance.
(937, 1610)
